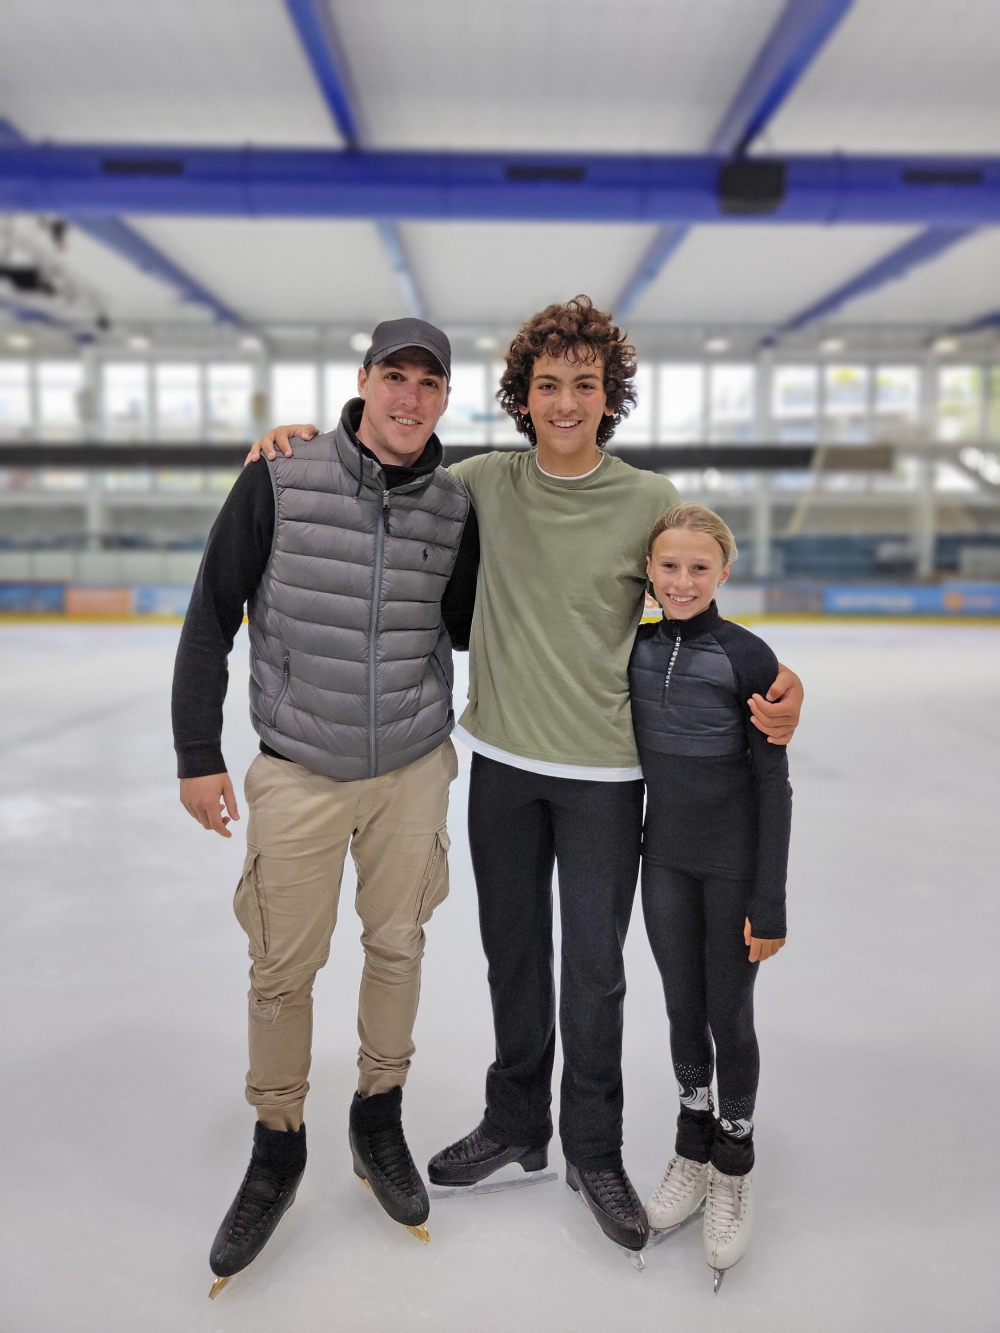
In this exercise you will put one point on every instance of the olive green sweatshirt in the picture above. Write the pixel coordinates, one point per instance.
(560, 593)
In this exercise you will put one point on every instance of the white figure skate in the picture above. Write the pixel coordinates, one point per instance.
(728, 1221)
(679, 1194)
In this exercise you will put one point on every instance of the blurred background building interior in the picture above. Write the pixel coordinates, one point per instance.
(206, 208)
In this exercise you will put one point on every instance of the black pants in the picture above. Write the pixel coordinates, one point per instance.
(520, 824)
(695, 929)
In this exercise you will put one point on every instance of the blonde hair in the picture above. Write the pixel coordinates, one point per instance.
(698, 519)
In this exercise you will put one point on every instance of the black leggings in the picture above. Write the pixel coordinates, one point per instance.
(520, 825)
(695, 928)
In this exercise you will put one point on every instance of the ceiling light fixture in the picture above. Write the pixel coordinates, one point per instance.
(360, 342)
(20, 342)
(138, 342)
(716, 345)
(486, 343)
(944, 346)
(831, 346)
(250, 344)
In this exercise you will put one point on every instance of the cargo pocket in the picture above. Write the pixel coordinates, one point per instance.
(249, 905)
(434, 885)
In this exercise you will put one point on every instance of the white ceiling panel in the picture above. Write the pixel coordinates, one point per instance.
(188, 71)
(903, 76)
(636, 75)
(284, 270)
(504, 271)
(956, 288)
(759, 274)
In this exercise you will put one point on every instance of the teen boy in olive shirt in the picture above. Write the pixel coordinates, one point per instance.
(555, 775)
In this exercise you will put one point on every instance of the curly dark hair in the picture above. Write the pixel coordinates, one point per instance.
(587, 334)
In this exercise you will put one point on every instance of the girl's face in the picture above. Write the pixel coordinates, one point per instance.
(685, 569)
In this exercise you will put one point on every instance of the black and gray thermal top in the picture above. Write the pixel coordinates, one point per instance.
(718, 800)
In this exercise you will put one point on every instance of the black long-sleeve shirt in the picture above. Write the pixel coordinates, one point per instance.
(236, 555)
(718, 799)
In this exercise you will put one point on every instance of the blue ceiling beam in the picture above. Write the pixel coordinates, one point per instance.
(313, 20)
(896, 264)
(110, 179)
(793, 43)
(126, 242)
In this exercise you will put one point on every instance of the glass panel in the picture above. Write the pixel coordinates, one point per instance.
(230, 401)
(959, 393)
(682, 392)
(62, 479)
(340, 384)
(637, 428)
(15, 399)
(794, 403)
(897, 392)
(845, 403)
(184, 481)
(465, 420)
(731, 403)
(59, 385)
(126, 400)
(294, 393)
(178, 401)
(502, 429)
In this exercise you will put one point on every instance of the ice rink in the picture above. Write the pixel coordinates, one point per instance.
(125, 1129)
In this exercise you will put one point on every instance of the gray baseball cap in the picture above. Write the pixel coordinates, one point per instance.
(392, 335)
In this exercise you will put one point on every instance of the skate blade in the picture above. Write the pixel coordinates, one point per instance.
(720, 1273)
(491, 1186)
(633, 1256)
(658, 1237)
(217, 1286)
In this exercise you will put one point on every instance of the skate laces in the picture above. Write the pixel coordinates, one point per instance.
(614, 1193)
(681, 1177)
(472, 1146)
(392, 1157)
(725, 1204)
(262, 1188)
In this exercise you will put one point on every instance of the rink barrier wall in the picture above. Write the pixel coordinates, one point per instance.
(958, 601)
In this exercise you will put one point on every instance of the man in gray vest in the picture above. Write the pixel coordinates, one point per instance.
(345, 556)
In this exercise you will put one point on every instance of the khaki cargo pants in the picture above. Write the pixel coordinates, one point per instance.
(301, 826)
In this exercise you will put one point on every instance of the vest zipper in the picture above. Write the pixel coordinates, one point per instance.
(380, 525)
(670, 667)
(284, 687)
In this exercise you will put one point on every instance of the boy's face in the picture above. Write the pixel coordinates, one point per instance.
(402, 405)
(566, 402)
(685, 569)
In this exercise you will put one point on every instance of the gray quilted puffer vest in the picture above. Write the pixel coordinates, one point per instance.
(350, 662)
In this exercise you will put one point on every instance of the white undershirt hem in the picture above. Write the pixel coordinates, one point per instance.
(579, 476)
(581, 772)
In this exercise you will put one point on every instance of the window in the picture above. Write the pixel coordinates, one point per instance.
(294, 395)
(993, 406)
(59, 386)
(845, 403)
(681, 405)
(959, 401)
(15, 399)
(897, 392)
(178, 401)
(126, 400)
(637, 427)
(502, 430)
(230, 401)
(466, 418)
(731, 403)
(340, 384)
(793, 406)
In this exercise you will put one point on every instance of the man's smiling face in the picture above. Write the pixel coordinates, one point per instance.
(566, 402)
(403, 401)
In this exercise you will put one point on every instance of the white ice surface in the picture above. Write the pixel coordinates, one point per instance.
(125, 1132)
